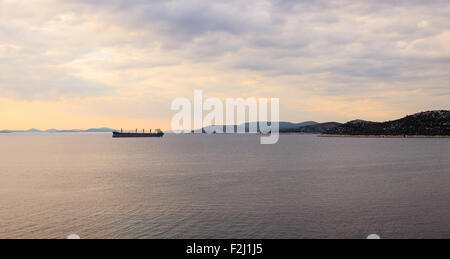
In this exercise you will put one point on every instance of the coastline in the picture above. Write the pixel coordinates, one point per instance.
(379, 136)
(299, 133)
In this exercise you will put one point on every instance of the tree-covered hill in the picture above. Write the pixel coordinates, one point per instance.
(431, 123)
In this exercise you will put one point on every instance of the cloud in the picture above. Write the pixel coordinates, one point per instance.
(49, 85)
(292, 49)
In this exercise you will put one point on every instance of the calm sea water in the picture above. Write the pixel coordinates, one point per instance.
(222, 186)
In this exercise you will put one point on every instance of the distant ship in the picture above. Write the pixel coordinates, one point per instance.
(135, 134)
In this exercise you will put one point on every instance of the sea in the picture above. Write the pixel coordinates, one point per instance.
(53, 185)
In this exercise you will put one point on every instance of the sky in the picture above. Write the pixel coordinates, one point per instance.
(80, 64)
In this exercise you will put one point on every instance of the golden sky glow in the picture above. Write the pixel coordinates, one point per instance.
(80, 64)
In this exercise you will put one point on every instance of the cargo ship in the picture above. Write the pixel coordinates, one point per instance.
(135, 134)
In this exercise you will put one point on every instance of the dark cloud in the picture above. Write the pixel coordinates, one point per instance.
(52, 86)
(362, 43)
(180, 19)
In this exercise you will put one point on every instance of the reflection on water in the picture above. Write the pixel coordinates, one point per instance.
(222, 186)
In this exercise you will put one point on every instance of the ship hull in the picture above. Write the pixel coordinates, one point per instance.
(137, 135)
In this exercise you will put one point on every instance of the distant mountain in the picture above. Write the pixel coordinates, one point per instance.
(88, 130)
(34, 130)
(431, 123)
(283, 125)
(59, 131)
(64, 131)
(99, 130)
(316, 128)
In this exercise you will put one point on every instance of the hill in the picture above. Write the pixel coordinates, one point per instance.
(431, 123)
(316, 128)
(283, 126)
(58, 131)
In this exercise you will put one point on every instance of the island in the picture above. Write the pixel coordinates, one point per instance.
(317, 128)
(424, 124)
(92, 130)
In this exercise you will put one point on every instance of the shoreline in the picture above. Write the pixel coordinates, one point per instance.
(379, 136)
(299, 133)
